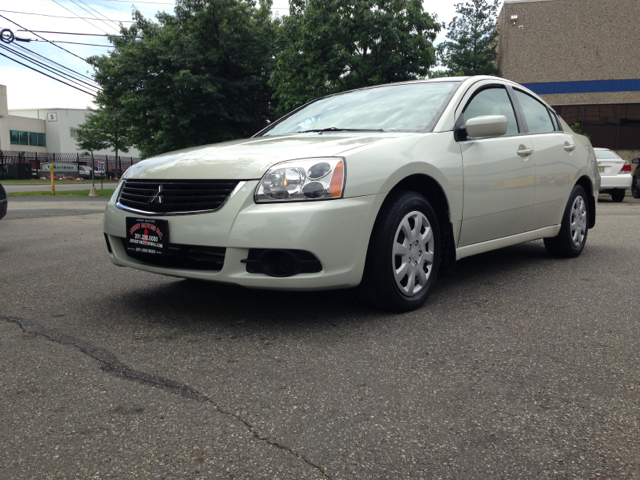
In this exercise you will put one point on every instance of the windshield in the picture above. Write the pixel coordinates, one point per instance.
(606, 155)
(408, 107)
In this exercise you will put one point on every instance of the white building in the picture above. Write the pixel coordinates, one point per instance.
(47, 130)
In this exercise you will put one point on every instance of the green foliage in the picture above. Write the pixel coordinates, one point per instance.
(198, 76)
(470, 48)
(104, 129)
(335, 45)
(576, 128)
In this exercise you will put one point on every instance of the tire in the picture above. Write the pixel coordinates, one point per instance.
(572, 238)
(617, 196)
(404, 254)
(635, 189)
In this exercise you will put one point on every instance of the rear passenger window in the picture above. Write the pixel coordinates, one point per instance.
(535, 114)
(492, 101)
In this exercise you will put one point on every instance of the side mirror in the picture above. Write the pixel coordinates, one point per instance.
(487, 126)
(635, 160)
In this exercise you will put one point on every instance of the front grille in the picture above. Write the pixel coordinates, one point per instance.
(187, 257)
(175, 196)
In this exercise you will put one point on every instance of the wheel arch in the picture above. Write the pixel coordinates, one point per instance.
(585, 183)
(434, 193)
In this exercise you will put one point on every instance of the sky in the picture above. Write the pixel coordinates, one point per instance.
(29, 89)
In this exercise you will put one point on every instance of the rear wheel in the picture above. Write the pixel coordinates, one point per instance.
(572, 238)
(617, 196)
(404, 254)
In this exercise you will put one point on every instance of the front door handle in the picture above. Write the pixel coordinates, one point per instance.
(524, 152)
(569, 147)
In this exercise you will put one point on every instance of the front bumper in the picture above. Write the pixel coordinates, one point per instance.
(619, 182)
(336, 231)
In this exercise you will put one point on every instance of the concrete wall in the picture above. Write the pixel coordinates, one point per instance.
(571, 41)
(5, 140)
(60, 123)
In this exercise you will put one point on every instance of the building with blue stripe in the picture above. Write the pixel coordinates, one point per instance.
(583, 58)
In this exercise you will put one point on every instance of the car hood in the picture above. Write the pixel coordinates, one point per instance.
(249, 159)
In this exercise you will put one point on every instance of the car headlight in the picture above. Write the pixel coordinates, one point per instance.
(308, 179)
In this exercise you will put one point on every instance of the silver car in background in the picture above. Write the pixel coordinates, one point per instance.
(615, 173)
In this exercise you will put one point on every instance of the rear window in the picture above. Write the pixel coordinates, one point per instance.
(606, 155)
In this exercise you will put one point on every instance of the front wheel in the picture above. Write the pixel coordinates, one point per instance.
(404, 254)
(574, 228)
(635, 190)
(617, 196)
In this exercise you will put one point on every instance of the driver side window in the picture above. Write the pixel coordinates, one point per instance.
(492, 101)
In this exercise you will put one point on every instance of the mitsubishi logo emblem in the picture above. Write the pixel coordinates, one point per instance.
(157, 198)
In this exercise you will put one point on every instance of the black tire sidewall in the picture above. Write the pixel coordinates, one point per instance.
(380, 255)
(577, 191)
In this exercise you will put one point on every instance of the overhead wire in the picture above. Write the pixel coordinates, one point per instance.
(69, 10)
(47, 75)
(117, 25)
(40, 36)
(75, 33)
(92, 14)
(60, 16)
(72, 43)
(53, 70)
(53, 62)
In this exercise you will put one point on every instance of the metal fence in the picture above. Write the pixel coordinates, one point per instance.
(27, 165)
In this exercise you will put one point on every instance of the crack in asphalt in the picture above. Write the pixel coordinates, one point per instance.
(111, 365)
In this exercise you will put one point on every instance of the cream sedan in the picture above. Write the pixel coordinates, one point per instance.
(379, 188)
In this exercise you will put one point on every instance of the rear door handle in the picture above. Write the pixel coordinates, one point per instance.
(569, 147)
(524, 152)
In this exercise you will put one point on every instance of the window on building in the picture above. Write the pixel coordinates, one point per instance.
(535, 114)
(27, 138)
(73, 132)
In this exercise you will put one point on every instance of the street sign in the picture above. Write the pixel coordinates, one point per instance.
(100, 168)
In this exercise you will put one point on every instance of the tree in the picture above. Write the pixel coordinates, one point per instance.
(335, 45)
(104, 129)
(470, 48)
(198, 76)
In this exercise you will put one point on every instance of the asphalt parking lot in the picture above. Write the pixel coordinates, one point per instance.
(519, 366)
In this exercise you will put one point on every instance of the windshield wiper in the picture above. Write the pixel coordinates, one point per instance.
(335, 129)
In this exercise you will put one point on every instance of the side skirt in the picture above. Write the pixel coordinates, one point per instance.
(476, 248)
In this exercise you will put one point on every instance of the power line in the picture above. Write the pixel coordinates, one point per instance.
(92, 14)
(72, 43)
(40, 36)
(75, 33)
(53, 62)
(134, 2)
(47, 75)
(55, 71)
(68, 10)
(60, 16)
(117, 26)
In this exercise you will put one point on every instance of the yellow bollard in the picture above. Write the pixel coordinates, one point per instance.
(53, 183)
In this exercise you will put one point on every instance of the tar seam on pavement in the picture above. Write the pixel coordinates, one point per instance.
(111, 365)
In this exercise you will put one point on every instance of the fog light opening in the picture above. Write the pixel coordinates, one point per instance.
(280, 263)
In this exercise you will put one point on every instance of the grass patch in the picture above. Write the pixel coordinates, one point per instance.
(43, 182)
(69, 193)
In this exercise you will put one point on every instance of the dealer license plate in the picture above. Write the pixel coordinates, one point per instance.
(601, 169)
(147, 236)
